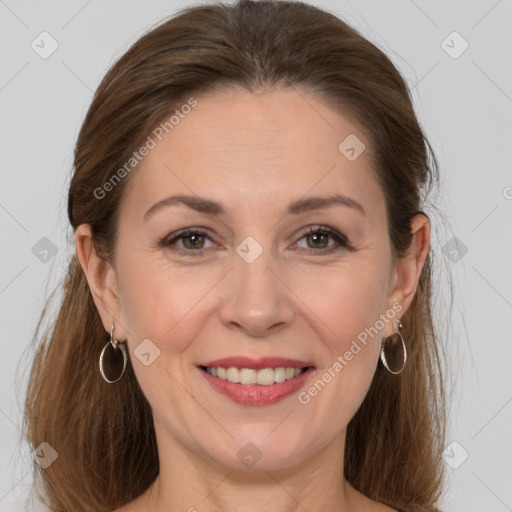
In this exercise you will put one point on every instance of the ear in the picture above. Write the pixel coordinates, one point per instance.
(406, 274)
(102, 281)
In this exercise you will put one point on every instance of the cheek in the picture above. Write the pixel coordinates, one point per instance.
(348, 301)
(354, 350)
(162, 303)
(351, 312)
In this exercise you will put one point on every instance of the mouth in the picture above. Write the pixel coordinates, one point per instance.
(256, 382)
(251, 376)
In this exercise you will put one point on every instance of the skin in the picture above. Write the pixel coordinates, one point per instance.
(254, 153)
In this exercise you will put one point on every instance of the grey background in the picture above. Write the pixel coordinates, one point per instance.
(465, 106)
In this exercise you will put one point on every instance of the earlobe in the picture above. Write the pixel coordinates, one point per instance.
(102, 281)
(409, 268)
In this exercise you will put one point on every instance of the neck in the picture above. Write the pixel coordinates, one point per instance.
(193, 482)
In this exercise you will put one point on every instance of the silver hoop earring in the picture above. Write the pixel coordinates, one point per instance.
(110, 362)
(393, 353)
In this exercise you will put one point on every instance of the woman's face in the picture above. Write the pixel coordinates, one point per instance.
(250, 282)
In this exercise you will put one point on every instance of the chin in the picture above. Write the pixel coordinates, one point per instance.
(259, 453)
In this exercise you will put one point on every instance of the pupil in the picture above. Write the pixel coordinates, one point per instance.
(193, 239)
(317, 236)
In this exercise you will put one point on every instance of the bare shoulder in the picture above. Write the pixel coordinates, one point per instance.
(375, 506)
(136, 505)
(369, 505)
(129, 507)
(362, 503)
(380, 507)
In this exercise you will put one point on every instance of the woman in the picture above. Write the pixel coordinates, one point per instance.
(247, 320)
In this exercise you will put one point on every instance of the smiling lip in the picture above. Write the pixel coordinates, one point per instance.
(255, 394)
(257, 364)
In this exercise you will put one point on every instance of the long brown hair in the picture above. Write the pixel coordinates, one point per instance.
(104, 433)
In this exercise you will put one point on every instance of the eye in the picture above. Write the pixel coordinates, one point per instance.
(192, 240)
(317, 238)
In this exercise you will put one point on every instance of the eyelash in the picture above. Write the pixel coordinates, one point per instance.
(340, 239)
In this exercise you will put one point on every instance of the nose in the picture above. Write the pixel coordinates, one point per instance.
(257, 300)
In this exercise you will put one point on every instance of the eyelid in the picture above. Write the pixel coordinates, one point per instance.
(176, 235)
(341, 240)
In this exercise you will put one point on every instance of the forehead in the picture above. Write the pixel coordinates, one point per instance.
(252, 148)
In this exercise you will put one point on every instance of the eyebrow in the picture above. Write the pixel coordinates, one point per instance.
(210, 207)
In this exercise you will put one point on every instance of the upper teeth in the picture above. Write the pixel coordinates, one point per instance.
(264, 377)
